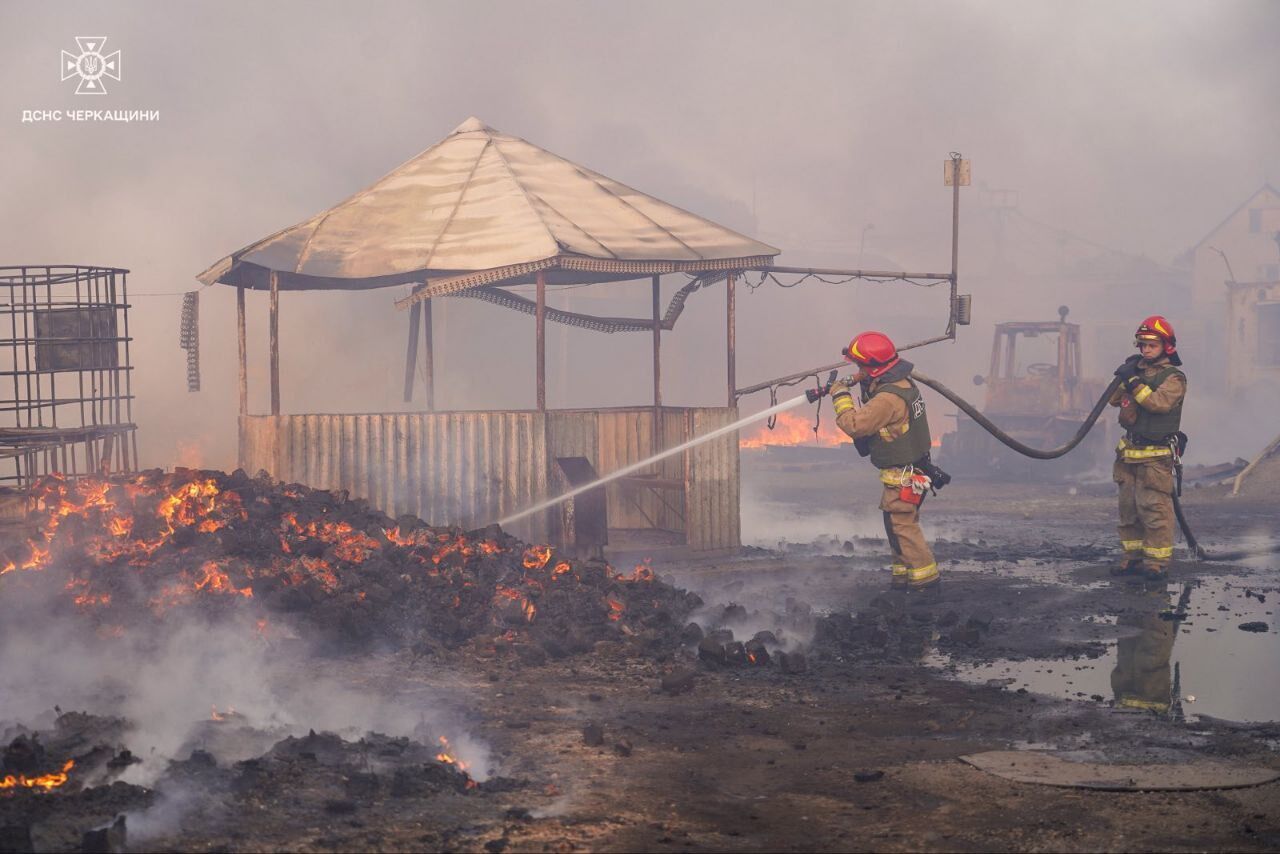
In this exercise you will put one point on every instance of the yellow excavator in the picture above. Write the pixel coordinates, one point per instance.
(1036, 394)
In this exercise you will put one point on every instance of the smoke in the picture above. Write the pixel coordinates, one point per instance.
(830, 122)
(774, 524)
(169, 679)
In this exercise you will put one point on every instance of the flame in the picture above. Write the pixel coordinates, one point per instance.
(165, 529)
(536, 557)
(45, 782)
(643, 571)
(348, 544)
(222, 716)
(616, 610)
(216, 581)
(449, 759)
(792, 429)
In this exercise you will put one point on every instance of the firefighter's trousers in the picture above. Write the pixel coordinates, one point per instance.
(906, 539)
(1146, 510)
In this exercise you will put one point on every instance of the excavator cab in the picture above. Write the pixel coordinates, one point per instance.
(1036, 393)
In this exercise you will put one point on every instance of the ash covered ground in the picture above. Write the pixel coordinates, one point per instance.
(234, 664)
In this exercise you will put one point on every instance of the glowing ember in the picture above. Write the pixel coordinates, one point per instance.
(643, 571)
(792, 429)
(115, 547)
(43, 783)
(536, 557)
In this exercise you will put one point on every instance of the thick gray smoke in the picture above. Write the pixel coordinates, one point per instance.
(1125, 131)
(170, 680)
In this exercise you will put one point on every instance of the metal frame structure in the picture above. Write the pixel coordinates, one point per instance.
(955, 175)
(64, 346)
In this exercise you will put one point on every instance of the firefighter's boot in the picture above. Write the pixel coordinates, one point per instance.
(898, 578)
(924, 578)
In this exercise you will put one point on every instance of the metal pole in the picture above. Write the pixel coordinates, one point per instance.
(275, 343)
(243, 350)
(411, 351)
(540, 317)
(428, 355)
(956, 162)
(731, 336)
(657, 364)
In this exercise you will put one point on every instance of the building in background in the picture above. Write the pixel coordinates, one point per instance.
(1236, 283)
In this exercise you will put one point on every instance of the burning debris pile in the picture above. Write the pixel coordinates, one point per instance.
(218, 804)
(119, 551)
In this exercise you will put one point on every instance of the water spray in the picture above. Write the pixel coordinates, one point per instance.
(669, 452)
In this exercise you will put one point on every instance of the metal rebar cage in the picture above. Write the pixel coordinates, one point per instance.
(66, 388)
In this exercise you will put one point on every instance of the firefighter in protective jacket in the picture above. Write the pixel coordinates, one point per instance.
(892, 427)
(1150, 402)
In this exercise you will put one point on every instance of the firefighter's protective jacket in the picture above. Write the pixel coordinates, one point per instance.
(892, 417)
(1153, 408)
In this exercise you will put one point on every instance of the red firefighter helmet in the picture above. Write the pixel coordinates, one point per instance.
(873, 352)
(1157, 328)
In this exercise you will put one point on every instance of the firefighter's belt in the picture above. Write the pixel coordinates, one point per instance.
(1135, 453)
(896, 476)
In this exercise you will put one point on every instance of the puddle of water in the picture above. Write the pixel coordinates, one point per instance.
(1205, 661)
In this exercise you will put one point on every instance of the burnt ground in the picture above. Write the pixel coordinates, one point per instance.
(856, 752)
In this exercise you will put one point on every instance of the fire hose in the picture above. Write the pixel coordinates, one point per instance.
(1053, 453)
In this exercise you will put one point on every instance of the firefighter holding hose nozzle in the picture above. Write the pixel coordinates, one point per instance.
(1150, 401)
(892, 428)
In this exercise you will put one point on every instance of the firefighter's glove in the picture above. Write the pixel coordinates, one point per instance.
(841, 397)
(1129, 370)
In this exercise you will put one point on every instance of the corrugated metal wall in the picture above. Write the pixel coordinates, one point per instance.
(471, 468)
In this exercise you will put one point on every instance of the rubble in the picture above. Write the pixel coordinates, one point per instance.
(154, 546)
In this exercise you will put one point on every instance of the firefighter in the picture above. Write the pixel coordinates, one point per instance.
(1150, 401)
(891, 426)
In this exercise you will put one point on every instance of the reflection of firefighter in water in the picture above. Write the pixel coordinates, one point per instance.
(1142, 679)
(891, 426)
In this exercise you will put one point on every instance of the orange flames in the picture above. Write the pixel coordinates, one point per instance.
(43, 783)
(165, 541)
(348, 544)
(536, 557)
(196, 503)
(791, 429)
(449, 759)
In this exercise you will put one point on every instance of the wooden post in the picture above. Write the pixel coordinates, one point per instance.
(411, 351)
(540, 315)
(731, 336)
(243, 349)
(275, 343)
(428, 355)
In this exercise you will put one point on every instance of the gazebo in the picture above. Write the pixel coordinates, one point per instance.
(471, 216)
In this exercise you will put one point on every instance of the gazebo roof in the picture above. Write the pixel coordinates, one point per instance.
(481, 207)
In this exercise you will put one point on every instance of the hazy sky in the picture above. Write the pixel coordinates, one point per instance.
(1136, 125)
